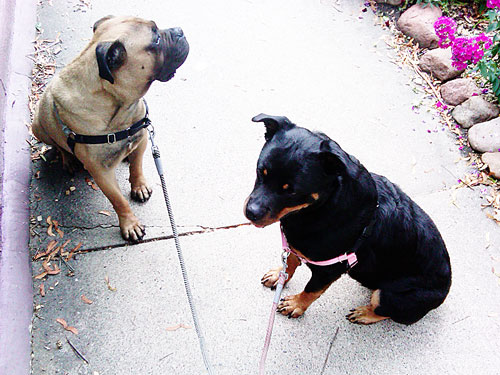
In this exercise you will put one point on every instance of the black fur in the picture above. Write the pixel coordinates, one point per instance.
(405, 256)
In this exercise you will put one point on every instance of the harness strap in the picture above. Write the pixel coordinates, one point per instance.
(351, 258)
(74, 138)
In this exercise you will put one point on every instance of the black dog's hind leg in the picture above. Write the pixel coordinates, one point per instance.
(366, 314)
(321, 278)
(405, 301)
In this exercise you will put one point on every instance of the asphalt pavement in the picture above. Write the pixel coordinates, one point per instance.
(326, 66)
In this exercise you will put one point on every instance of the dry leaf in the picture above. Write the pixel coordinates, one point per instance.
(106, 278)
(70, 255)
(49, 220)
(41, 289)
(50, 246)
(177, 326)
(49, 231)
(103, 212)
(66, 326)
(86, 300)
(41, 276)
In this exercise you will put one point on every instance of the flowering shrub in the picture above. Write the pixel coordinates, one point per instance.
(480, 51)
(445, 29)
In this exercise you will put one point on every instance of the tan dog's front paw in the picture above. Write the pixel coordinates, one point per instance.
(270, 278)
(364, 315)
(141, 192)
(132, 230)
(294, 306)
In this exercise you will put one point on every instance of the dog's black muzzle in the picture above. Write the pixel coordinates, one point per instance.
(175, 49)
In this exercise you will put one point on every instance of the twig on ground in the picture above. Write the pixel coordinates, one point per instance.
(329, 350)
(77, 352)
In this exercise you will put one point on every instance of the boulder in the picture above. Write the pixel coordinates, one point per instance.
(474, 110)
(493, 161)
(418, 21)
(485, 136)
(438, 63)
(457, 91)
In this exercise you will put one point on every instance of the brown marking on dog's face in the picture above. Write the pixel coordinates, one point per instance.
(269, 219)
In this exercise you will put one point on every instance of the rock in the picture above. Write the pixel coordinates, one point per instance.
(438, 63)
(457, 91)
(390, 2)
(473, 111)
(418, 21)
(485, 136)
(493, 161)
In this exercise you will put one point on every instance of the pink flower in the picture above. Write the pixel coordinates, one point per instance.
(493, 3)
(445, 28)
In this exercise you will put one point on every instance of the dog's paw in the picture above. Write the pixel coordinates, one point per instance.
(270, 279)
(364, 315)
(141, 192)
(293, 306)
(132, 230)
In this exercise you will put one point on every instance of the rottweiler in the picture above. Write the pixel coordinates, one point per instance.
(330, 206)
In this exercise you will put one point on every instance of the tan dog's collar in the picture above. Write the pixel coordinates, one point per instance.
(74, 138)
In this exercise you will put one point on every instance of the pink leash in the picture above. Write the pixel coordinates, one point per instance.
(277, 294)
(351, 260)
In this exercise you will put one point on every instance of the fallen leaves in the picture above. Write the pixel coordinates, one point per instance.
(177, 326)
(106, 278)
(41, 289)
(66, 326)
(72, 252)
(104, 212)
(91, 183)
(53, 225)
(86, 300)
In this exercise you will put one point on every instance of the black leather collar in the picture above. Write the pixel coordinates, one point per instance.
(74, 138)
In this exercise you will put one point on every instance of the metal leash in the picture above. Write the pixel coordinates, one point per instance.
(159, 168)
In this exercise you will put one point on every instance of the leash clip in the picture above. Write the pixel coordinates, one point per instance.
(283, 274)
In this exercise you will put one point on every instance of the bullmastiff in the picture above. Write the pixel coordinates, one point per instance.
(93, 109)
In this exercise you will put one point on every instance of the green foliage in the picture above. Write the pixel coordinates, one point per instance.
(488, 66)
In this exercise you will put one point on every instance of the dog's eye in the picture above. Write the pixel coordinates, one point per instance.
(287, 188)
(158, 39)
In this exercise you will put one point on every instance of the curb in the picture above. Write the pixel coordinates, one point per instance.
(17, 20)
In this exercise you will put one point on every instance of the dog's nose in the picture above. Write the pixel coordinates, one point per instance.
(255, 212)
(176, 32)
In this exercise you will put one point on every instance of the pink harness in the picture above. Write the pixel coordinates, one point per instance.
(351, 257)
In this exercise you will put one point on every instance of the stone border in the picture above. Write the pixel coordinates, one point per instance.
(17, 32)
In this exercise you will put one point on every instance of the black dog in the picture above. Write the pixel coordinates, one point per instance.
(328, 205)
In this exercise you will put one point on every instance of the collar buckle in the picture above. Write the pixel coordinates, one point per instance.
(111, 138)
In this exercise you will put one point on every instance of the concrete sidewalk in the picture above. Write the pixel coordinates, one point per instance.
(324, 65)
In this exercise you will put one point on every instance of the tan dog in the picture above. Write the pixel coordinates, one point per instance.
(99, 94)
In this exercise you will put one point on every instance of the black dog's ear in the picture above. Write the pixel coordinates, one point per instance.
(331, 162)
(273, 124)
(100, 21)
(110, 56)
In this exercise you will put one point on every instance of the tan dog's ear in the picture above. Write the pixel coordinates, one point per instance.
(100, 21)
(110, 56)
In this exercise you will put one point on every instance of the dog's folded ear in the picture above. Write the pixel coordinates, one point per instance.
(273, 124)
(110, 56)
(100, 21)
(331, 161)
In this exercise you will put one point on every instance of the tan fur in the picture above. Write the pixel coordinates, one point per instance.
(90, 105)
